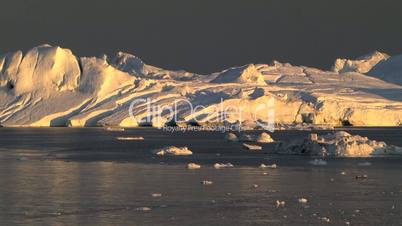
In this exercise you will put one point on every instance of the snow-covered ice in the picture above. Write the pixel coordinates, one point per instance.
(50, 86)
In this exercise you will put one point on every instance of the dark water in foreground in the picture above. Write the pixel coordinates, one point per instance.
(64, 176)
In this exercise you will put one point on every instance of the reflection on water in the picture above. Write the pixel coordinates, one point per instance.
(60, 181)
(99, 193)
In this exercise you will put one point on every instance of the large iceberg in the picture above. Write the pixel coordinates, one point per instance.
(337, 144)
(50, 86)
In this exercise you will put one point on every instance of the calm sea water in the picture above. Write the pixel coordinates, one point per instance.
(65, 176)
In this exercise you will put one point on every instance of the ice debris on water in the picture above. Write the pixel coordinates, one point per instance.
(325, 219)
(264, 138)
(130, 138)
(193, 166)
(246, 137)
(252, 147)
(280, 203)
(223, 165)
(156, 195)
(115, 129)
(273, 166)
(144, 209)
(172, 150)
(302, 200)
(357, 211)
(231, 137)
(318, 162)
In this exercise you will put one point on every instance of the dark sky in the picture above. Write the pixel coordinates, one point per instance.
(207, 35)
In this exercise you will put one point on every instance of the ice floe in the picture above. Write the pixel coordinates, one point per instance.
(223, 165)
(280, 203)
(252, 147)
(143, 209)
(302, 200)
(193, 166)
(264, 138)
(273, 166)
(173, 151)
(130, 138)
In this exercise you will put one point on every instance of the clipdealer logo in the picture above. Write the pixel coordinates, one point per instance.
(146, 111)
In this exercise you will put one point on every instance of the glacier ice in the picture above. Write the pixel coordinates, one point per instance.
(50, 86)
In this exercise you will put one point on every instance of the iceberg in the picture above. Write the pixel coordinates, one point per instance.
(50, 86)
(337, 144)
